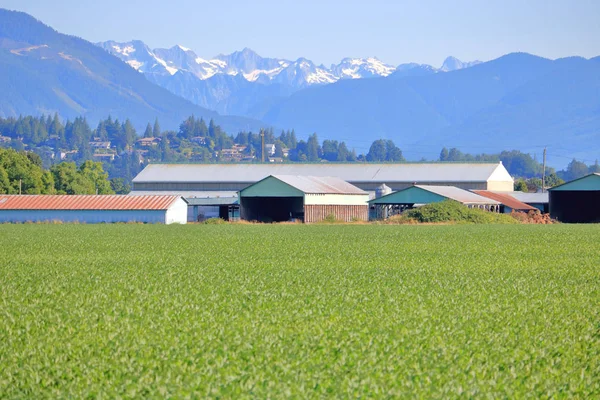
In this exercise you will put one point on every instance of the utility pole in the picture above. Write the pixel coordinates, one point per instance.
(20, 185)
(262, 142)
(544, 173)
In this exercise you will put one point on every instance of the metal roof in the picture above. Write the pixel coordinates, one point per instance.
(354, 172)
(319, 184)
(528, 198)
(85, 202)
(457, 194)
(448, 192)
(589, 182)
(213, 201)
(186, 194)
(505, 199)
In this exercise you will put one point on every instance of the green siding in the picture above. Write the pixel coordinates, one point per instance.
(587, 183)
(412, 195)
(271, 187)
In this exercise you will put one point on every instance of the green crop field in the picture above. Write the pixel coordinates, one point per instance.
(238, 311)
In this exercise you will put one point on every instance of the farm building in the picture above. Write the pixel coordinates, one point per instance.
(279, 198)
(577, 201)
(202, 208)
(396, 202)
(93, 208)
(508, 203)
(537, 200)
(225, 180)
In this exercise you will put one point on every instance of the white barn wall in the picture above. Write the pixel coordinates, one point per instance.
(501, 186)
(336, 199)
(177, 213)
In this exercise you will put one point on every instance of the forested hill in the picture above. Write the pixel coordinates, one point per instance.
(43, 71)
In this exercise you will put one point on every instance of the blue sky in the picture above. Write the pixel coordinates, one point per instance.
(399, 31)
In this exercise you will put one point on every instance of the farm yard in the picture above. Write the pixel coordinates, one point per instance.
(271, 311)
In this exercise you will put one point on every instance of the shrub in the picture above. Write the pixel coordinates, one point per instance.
(215, 221)
(452, 211)
(331, 218)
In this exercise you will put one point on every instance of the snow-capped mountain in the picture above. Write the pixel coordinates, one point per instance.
(253, 67)
(302, 73)
(453, 64)
(243, 82)
(357, 68)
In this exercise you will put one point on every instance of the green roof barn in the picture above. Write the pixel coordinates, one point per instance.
(577, 201)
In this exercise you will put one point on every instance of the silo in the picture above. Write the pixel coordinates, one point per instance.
(381, 212)
(382, 190)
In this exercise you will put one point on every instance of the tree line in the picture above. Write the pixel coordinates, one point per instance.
(55, 142)
(23, 173)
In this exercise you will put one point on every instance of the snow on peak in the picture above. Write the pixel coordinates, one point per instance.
(248, 64)
(357, 68)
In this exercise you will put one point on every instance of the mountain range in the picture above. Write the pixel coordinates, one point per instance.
(43, 72)
(244, 83)
(517, 101)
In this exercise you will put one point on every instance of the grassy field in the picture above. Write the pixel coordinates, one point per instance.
(299, 311)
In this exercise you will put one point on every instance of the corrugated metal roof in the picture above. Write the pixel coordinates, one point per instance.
(319, 184)
(186, 194)
(506, 200)
(589, 182)
(528, 198)
(85, 202)
(356, 172)
(213, 201)
(457, 194)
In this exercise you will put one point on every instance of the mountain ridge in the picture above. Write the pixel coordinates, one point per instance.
(44, 71)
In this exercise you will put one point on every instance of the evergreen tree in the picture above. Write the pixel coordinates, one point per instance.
(393, 153)
(444, 155)
(342, 154)
(119, 186)
(575, 169)
(377, 151)
(293, 141)
(330, 150)
(278, 149)
(156, 130)
(148, 131)
(312, 148)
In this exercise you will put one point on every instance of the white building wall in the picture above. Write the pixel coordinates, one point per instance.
(177, 213)
(84, 216)
(336, 199)
(501, 186)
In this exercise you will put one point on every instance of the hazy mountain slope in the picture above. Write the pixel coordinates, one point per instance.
(458, 94)
(43, 71)
(359, 111)
(560, 107)
(516, 101)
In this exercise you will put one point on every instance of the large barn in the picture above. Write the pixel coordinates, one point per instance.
(225, 180)
(305, 198)
(92, 209)
(577, 201)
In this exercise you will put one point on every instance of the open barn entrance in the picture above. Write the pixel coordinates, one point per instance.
(272, 209)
